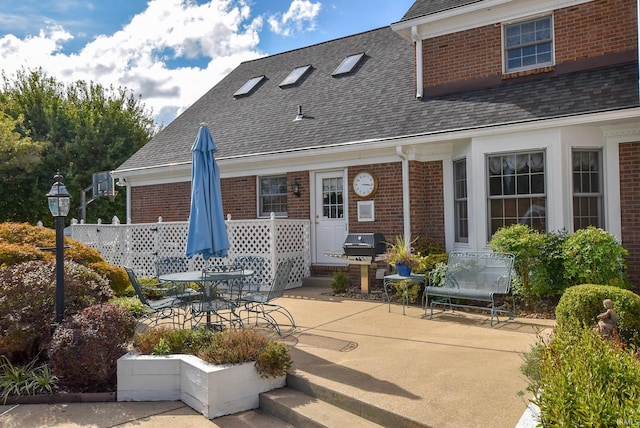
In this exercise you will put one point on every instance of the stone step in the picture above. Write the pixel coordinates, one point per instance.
(300, 409)
(353, 405)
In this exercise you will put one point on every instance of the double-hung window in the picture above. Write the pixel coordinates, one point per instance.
(587, 188)
(460, 200)
(528, 44)
(517, 191)
(273, 195)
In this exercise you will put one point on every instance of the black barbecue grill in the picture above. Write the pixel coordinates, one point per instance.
(364, 244)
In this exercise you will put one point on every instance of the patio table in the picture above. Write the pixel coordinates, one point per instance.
(212, 285)
(389, 279)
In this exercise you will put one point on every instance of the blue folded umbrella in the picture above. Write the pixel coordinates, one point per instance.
(207, 231)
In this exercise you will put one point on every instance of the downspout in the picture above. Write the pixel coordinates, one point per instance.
(418, 45)
(406, 201)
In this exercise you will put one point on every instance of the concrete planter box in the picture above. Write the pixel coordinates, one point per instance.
(211, 390)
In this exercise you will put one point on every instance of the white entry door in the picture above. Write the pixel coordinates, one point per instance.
(330, 216)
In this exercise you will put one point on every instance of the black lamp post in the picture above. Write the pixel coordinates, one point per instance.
(59, 203)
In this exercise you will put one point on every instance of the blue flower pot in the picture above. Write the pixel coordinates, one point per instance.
(403, 269)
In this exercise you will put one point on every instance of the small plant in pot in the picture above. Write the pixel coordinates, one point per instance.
(400, 254)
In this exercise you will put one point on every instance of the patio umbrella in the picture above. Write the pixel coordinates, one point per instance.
(207, 233)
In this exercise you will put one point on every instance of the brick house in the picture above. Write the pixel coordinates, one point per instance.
(466, 115)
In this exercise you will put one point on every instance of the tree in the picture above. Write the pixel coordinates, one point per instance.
(89, 129)
(18, 154)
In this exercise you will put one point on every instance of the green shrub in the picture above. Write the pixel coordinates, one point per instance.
(425, 245)
(27, 304)
(581, 379)
(133, 305)
(28, 379)
(340, 283)
(593, 256)
(227, 347)
(429, 262)
(117, 277)
(582, 303)
(42, 237)
(548, 276)
(85, 348)
(525, 244)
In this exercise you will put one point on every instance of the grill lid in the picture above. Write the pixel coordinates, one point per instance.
(364, 244)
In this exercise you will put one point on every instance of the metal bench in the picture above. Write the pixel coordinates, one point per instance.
(474, 276)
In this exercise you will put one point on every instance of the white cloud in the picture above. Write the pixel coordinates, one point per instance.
(138, 56)
(300, 17)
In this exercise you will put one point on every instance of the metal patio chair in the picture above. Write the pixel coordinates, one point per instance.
(215, 303)
(166, 265)
(163, 310)
(261, 303)
(252, 283)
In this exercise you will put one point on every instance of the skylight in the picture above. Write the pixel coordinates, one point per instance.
(248, 87)
(347, 65)
(295, 75)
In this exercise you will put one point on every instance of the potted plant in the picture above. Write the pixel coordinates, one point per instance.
(400, 255)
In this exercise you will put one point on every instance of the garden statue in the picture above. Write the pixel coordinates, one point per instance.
(607, 320)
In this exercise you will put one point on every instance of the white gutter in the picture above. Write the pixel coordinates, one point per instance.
(406, 202)
(418, 44)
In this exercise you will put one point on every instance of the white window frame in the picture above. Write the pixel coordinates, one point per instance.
(599, 195)
(516, 196)
(527, 44)
(460, 202)
(261, 195)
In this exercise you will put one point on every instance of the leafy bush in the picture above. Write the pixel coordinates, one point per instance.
(548, 277)
(28, 379)
(133, 305)
(593, 256)
(42, 237)
(11, 254)
(582, 303)
(117, 276)
(429, 262)
(579, 376)
(27, 304)
(227, 347)
(525, 244)
(179, 341)
(85, 348)
(340, 283)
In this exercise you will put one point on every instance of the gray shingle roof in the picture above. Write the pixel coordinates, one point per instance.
(429, 7)
(376, 101)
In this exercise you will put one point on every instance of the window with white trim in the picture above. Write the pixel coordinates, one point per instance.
(460, 200)
(587, 188)
(332, 198)
(517, 191)
(273, 195)
(528, 44)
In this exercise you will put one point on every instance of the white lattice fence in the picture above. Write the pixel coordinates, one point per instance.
(139, 245)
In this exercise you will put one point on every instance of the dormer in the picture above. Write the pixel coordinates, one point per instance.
(478, 44)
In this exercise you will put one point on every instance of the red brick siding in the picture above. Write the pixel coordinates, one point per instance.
(239, 197)
(170, 201)
(299, 208)
(582, 32)
(387, 200)
(630, 207)
(427, 200)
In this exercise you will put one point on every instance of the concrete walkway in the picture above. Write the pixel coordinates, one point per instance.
(451, 371)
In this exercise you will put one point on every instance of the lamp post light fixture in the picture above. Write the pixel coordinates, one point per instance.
(59, 203)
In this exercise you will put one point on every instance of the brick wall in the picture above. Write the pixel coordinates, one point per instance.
(427, 200)
(582, 32)
(630, 207)
(171, 201)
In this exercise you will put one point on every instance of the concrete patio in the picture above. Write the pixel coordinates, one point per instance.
(451, 371)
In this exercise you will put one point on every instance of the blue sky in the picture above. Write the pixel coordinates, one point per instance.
(170, 52)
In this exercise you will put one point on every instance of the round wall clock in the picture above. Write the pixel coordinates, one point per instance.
(365, 184)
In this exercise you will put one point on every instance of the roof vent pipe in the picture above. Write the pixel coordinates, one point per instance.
(300, 116)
